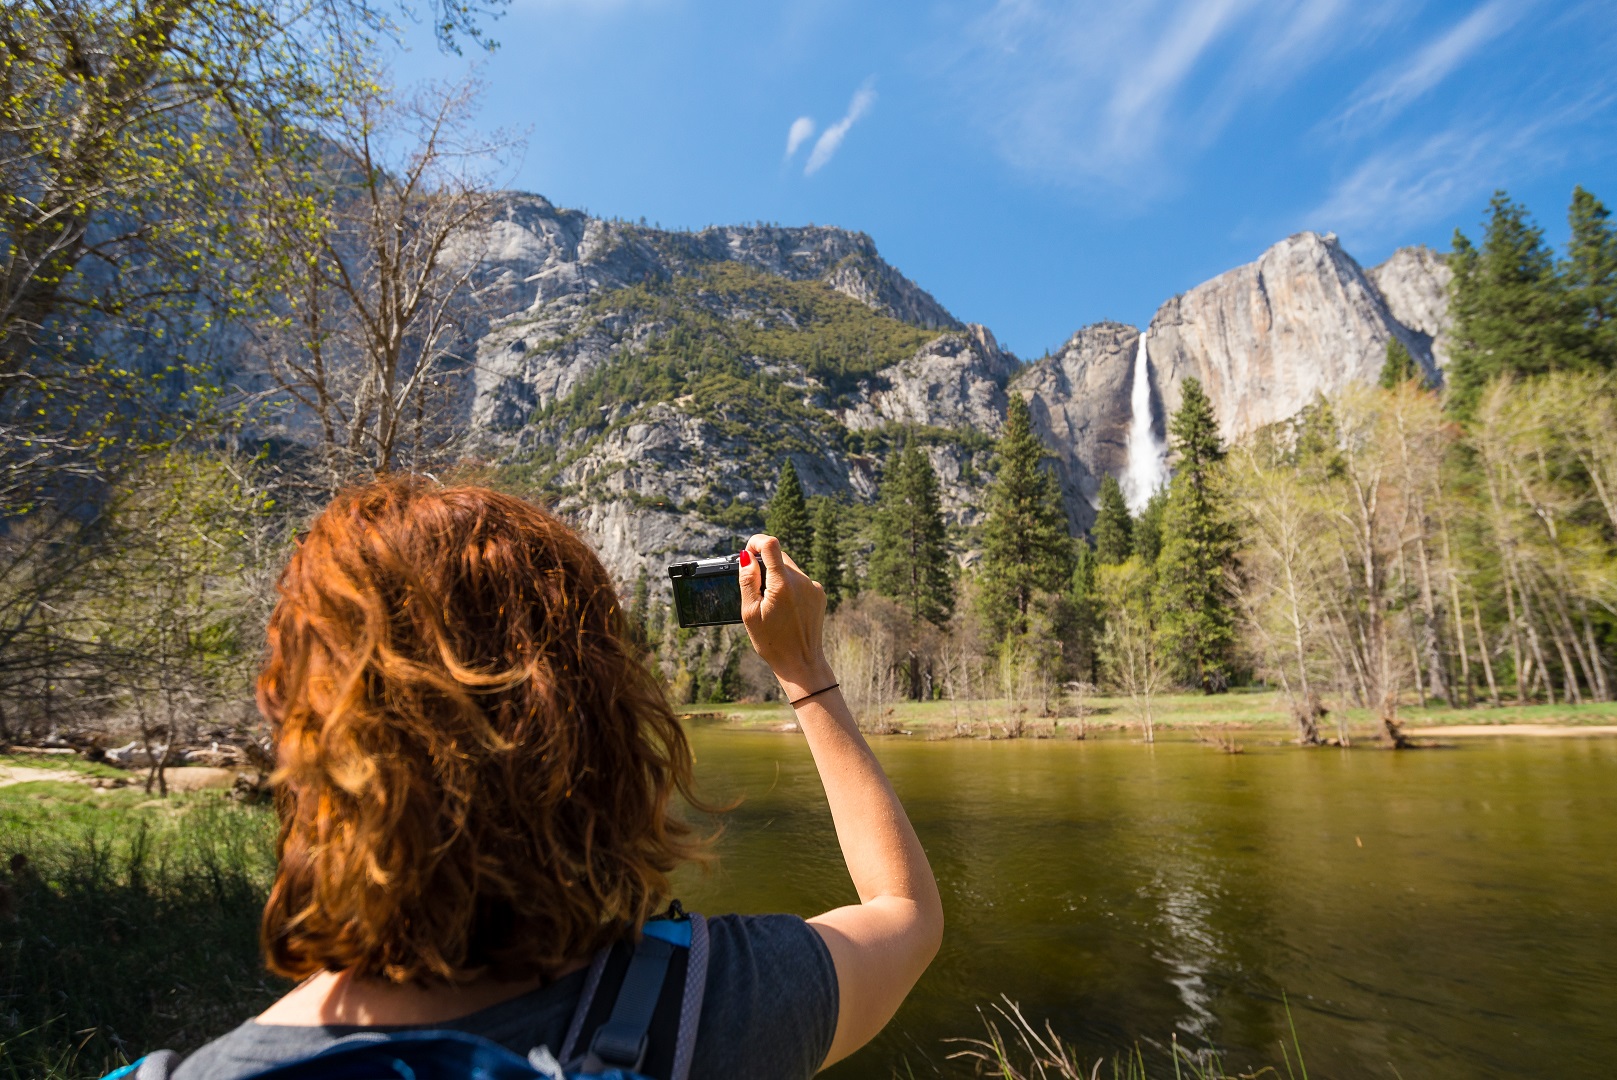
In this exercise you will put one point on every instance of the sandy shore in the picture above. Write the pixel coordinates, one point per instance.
(1536, 730)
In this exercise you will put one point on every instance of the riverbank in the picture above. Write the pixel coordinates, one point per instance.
(1258, 713)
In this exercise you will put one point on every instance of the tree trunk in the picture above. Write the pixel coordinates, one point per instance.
(1484, 653)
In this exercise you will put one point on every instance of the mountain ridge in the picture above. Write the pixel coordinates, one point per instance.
(650, 382)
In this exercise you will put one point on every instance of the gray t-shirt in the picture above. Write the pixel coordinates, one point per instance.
(769, 1011)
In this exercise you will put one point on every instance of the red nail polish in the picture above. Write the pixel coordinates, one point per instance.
(746, 557)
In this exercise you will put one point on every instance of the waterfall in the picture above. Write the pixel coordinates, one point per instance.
(1148, 455)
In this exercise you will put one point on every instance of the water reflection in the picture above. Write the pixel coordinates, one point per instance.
(1448, 912)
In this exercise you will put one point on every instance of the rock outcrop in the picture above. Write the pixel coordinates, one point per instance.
(1079, 398)
(1414, 283)
(1268, 338)
(956, 381)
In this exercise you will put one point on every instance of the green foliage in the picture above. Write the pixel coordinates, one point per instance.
(787, 516)
(1088, 615)
(833, 339)
(1399, 367)
(1026, 547)
(1510, 307)
(910, 558)
(1113, 529)
(1591, 277)
(1199, 545)
(755, 378)
(825, 560)
(1148, 527)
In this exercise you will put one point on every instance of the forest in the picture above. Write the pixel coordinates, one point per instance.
(1397, 542)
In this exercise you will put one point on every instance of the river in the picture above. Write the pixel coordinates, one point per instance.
(1437, 913)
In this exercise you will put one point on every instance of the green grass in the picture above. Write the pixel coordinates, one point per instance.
(1029, 1052)
(127, 924)
(1257, 710)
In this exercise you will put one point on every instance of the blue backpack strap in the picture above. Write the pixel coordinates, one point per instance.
(621, 1041)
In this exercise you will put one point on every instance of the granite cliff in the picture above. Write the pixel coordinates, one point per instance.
(1305, 319)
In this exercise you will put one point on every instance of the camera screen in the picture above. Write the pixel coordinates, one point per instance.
(708, 600)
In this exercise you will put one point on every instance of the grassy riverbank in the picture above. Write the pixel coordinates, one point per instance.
(1260, 712)
(126, 923)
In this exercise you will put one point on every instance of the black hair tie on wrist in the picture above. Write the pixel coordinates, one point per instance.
(816, 693)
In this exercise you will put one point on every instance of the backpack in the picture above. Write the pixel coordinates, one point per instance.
(636, 1020)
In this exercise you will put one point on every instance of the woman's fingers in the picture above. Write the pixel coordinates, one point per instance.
(767, 549)
(752, 595)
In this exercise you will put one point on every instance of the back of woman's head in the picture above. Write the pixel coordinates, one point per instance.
(475, 771)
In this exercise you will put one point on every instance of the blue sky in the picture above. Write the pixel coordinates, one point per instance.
(1039, 166)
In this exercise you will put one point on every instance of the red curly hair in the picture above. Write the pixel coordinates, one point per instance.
(475, 771)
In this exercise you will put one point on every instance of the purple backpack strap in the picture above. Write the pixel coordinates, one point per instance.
(592, 982)
(690, 1011)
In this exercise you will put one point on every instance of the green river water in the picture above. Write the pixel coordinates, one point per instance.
(1438, 913)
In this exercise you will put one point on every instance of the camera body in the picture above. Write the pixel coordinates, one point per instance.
(707, 592)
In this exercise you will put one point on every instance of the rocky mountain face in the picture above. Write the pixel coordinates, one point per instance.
(1079, 398)
(1267, 338)
(650, 383)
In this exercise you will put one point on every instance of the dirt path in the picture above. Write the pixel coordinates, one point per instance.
(23, 774)
(191, 778)
(1533, 730)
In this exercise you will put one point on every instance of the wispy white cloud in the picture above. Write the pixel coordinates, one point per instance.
(831, 138)
(1116, 94)
(1389, 92)
(799, 133)
(1415, 181)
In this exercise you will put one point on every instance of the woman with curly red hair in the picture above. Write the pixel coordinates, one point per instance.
(475, 782)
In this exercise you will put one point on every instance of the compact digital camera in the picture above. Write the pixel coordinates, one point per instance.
(707, 592)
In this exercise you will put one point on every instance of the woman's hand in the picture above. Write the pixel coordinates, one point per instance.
(784, 620)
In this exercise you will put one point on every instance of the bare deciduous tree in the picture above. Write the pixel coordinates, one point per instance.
(380, 299)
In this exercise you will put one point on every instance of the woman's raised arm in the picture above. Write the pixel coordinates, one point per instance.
(882, 944)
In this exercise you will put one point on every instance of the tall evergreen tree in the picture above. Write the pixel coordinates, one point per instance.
(1199, 543)
(1087, 621)
(639, 613)
(1114, 529)
(1591, 276)
(825, 563)
(1148, 527)
(910, 560)
(1511, 314)
(1399, 367)
(1026, 547)
(787, 516)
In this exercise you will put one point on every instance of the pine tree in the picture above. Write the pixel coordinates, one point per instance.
(825, 562)
(1591, 277)
(1511, 314)
(639, 613)
(1087, 621)
(1195, 611)
(1113, 528)
(1148, 527)
(1399, 367)
(910, 561)
(787, 516)
(1026, 547)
